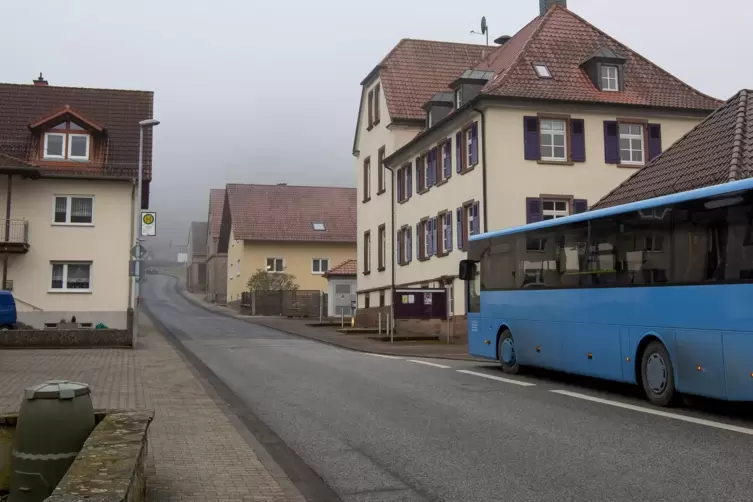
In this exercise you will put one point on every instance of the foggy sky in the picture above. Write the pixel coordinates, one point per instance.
(268, 92)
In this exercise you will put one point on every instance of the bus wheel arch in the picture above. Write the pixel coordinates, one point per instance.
(506, 351)
(654, 371)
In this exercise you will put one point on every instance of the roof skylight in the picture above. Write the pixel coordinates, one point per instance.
(542, 71)
(319, 226)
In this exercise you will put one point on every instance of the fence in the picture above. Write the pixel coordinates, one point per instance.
(299, 303)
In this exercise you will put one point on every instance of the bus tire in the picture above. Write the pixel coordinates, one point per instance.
(657, 374)
(506, 353)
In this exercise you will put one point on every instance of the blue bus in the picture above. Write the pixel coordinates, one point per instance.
(657, 293)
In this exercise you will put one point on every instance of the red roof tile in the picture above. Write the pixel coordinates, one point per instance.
(415, 70)
(348, 267)
(718, 150)
(216, 203)
(562, 40)
(288, 213)
(119, 111)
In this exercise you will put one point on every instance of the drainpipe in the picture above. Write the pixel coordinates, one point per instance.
(7, 230)
(393, 241)
(483, 167)
(130, 236)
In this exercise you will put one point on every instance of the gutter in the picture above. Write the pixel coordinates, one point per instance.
(483, 167)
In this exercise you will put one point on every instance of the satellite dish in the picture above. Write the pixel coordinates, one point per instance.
(484, 27)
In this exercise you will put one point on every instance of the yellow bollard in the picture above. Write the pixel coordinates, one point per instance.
(352, 322)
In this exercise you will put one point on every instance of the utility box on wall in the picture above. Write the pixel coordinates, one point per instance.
(420, 303)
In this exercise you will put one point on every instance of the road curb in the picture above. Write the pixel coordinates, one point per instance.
(181, 291)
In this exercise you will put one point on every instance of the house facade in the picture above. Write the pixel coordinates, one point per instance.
(298, 230)
(196, 266)
(542, 127)
(216, 261)
(390, 115)
(68, 167)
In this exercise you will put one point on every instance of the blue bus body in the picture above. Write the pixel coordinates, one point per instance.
(600, 330)
(8, 316)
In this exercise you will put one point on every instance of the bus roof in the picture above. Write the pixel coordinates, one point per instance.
(698, 193)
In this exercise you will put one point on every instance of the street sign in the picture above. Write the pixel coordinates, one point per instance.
(138, 251)
(137, 269)
(148, 224)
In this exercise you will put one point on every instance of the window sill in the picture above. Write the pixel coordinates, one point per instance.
(66, 159)
(72, 224)
(381, 269)
(443, 254)
(367, 199)
(422, 259)
(467, 169)
(556, 162)
(403, 201)
(423, 191)
(369, 128)
(74, 291)
(317, 273)
(366, 272)
(630, 166)
(376, 122)
(444, 181)
(380, 192)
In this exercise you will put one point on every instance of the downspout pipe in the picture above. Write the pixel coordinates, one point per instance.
(393, 241)
(483, 167)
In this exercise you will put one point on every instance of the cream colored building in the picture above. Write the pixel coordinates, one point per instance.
(299, 230)
(534, 130)
(67, 184)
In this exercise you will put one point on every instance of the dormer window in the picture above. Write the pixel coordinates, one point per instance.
(542, 71)
(458, 98)
(610, 78)
(67, 141)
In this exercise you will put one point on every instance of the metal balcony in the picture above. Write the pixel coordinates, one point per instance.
(14, 236)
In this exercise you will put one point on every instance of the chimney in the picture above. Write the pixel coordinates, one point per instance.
(40, 82)
(545, 5)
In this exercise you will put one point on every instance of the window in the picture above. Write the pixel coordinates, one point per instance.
(445, 160)
(377, 92)
(552, 209)
(610, 80)
(421, 173)
(371, 110)
(319, 265)
(275, 265)
(72, 210)
(469, 147)
(380, 171)
(458, 97)
(381, 298)
(54, 146)
(444, 240)
(367, 179)
(319, 226)
(631, 143)
(553, 135)
(542, 71)
(78, 146)
(468, 222)
(61, 143)
(404, 182)
(427, 238)
(405, 245)
(367, 252)
(382, 252)
(75, 277)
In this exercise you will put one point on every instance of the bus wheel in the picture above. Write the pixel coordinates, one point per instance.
(657, 375)
(506, 353)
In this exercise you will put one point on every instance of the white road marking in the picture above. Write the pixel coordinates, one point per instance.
(427, 363)
(499, 379)
(650, 411)
(383, 355)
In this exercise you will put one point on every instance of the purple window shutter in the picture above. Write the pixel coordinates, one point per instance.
(476, 226)
(459, 223)
(398, 244)
(654, 140)
(409, 245)
(448, 159)
(432, 236)
(580, 206)
(400, 178)
(432, 167)
(458, 152)
(578, 140)
(531, 145)
(448, 232)
(409, 175)
(611, 142)
(419, 176)
(533, 209)
(474, 143)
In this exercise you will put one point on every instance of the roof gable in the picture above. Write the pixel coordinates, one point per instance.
(198, 237)
(288, 213)
(346, 268)
(718, 150)
(67, 112)
(216, 203)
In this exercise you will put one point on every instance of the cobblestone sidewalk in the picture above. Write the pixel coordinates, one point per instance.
(195, 451)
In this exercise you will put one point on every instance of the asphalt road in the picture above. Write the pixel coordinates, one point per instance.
(383, 429)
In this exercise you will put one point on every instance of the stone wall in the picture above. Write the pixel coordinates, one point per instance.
(369, 317)
(64, 338)
(434, 327)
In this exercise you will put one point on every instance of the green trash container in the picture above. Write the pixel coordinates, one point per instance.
(54, 421)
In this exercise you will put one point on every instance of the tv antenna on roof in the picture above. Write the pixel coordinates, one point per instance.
(484, 29)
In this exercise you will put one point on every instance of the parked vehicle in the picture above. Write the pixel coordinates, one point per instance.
(8, 316)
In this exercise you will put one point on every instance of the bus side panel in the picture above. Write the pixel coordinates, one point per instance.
(538, 343)
(699, 364)
(592, 349)
(478, 334)
(738, 364)
(628, 364)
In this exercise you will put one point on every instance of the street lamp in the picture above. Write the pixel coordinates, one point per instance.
(137, 227)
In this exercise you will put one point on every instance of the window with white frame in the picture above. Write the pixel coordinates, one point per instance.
(469, 147)
(319, 226)
(610, 78)
(631, 144)
(542, 71)
(552, 209)
(458, 97)
(275, 265)
(54, 145)
(67, 140)
(78, 146)
(445, 229)
(553, 135)
(319, 265)
(74, 210)
(73, 276)
(427, 238)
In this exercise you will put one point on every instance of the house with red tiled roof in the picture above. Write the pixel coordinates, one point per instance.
(298, 230)
(341, 280)
(68, 172)
(543, 125)
(216, 268)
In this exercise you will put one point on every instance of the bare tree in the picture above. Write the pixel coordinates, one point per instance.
(266, 281)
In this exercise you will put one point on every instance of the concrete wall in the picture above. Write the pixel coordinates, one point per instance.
(106, 243)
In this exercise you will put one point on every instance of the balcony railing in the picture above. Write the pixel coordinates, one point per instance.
(14, 235)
